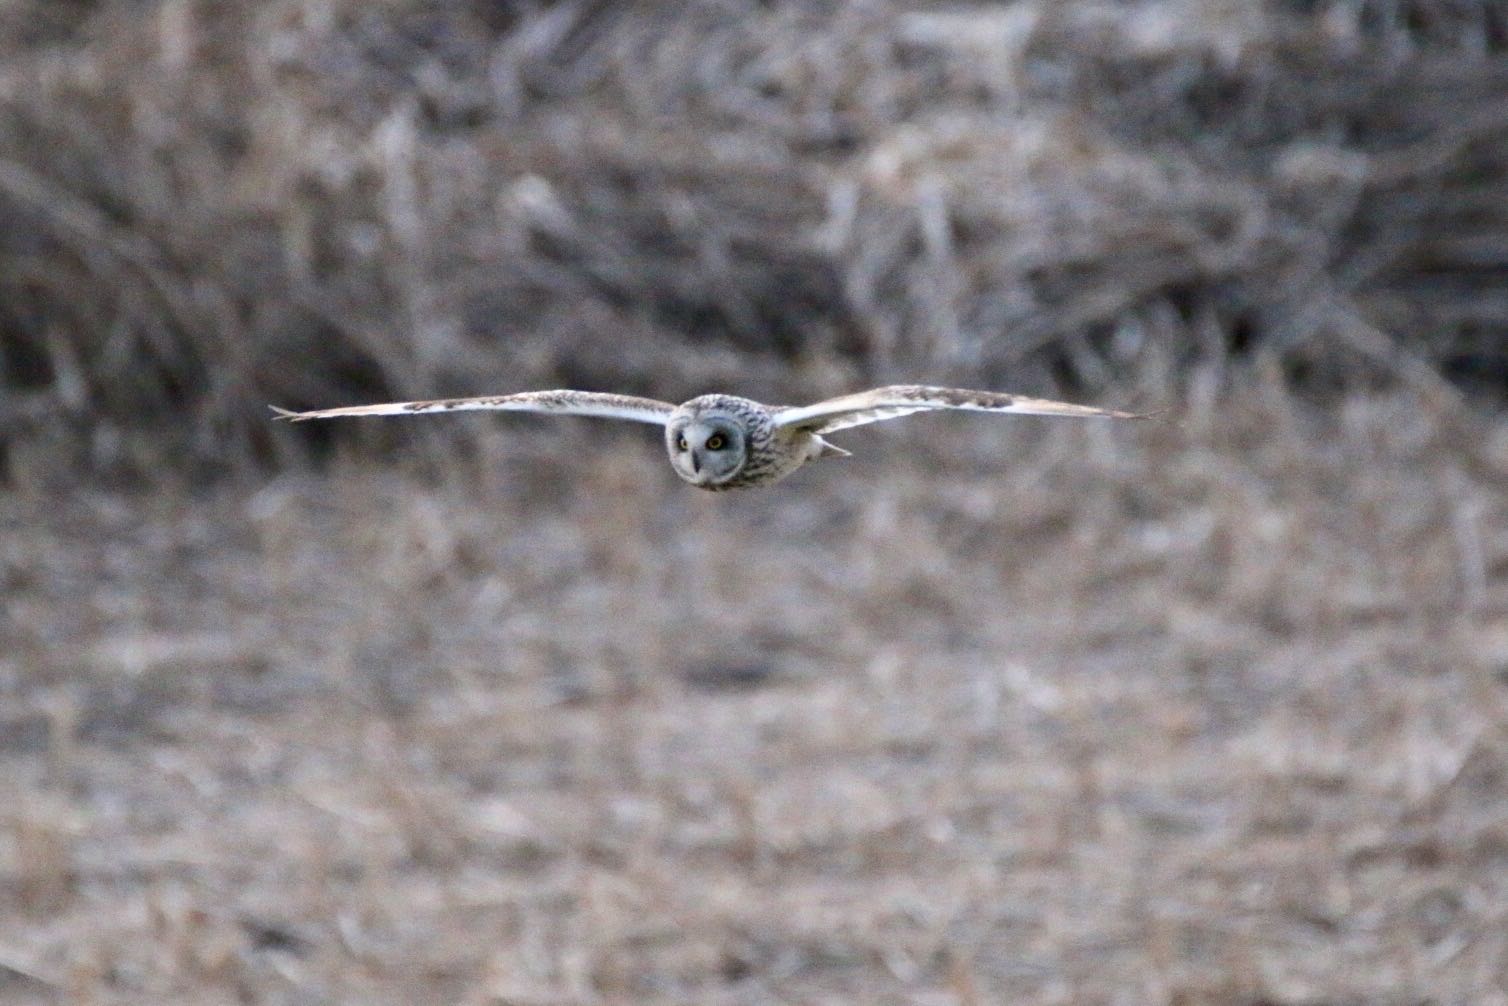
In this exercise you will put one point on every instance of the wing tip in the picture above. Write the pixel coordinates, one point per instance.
(1152, 414)
(286, 415)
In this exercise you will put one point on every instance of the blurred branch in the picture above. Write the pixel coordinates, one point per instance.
(90, 232)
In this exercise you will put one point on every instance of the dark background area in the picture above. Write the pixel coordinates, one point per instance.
(493, 710)
(205, 207)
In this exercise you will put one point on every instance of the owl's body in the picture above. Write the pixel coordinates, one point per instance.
(747, 448)
(719, 442)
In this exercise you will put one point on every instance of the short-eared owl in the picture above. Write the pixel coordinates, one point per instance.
(724, 442)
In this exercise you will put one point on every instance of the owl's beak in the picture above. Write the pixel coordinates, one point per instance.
(698, 476)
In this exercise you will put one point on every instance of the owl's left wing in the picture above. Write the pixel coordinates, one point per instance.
(560, 403)
(904, 399)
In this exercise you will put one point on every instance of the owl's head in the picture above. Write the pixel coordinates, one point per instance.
(708, 447)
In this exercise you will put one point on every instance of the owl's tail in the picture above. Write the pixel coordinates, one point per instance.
(830, 451)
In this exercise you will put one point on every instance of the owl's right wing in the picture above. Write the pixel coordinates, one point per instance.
(560, 403)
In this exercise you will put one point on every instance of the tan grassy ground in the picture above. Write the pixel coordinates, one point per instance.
(1041, 713)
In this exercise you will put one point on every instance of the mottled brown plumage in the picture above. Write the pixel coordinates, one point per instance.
(721, 442)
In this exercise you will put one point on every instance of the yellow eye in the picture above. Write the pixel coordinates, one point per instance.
(715, 442)
(680, 443)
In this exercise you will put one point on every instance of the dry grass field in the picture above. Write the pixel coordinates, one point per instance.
(495, 711)
(1203, 711)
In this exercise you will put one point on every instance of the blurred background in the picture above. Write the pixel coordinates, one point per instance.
(494, 710)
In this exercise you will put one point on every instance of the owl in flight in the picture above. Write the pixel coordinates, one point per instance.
(721, 442)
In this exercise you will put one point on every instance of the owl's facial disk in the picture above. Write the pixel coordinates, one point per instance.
(707, 451)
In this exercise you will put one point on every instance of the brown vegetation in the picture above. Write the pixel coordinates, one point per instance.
(1205, 711)
(207, 206)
